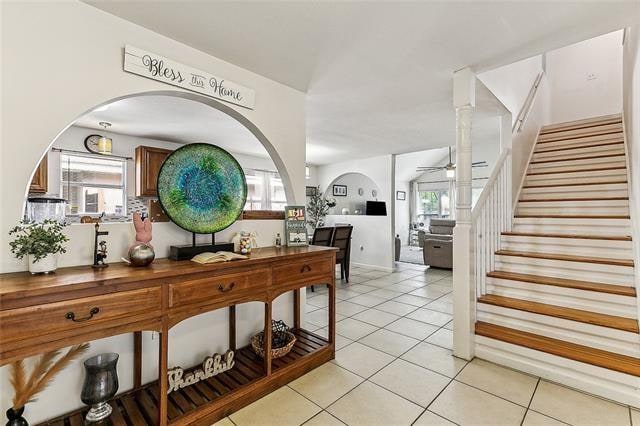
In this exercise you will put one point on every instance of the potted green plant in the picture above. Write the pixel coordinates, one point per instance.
(317, 210)
(40, 242)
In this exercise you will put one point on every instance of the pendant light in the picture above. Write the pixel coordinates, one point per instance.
(451, 172)
(104, 143)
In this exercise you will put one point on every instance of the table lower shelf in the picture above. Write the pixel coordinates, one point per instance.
(140, 406)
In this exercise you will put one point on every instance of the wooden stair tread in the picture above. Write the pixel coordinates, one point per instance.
(576, 236)
(590, 157)
(546, 200)
(620, 290)
(572, 216)
(582, 136)
(568, 258)
(581, 124)
(554, 185)
(598, 357)
(592, 169)
(578, 315)
(570, 127)
(569, 148)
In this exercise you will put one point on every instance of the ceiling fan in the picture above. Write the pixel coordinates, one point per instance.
(450, 167)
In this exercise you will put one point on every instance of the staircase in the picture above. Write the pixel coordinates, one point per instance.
(559, 300)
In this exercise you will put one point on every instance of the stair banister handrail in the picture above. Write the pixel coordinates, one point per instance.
(484, 195)
(523, 115)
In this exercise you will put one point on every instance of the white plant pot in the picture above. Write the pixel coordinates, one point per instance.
(45, 265)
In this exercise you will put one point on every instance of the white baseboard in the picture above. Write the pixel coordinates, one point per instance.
(618, 387)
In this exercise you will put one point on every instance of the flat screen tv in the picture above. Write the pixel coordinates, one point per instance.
(376, 208)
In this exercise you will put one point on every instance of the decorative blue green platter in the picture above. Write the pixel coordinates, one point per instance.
(202, 188)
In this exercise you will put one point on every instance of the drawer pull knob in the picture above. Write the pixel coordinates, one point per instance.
(222, 289)
(72, 316)
(305, 268)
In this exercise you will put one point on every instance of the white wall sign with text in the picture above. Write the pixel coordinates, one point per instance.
(156, 67)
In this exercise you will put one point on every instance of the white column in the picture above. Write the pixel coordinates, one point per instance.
(452, 198)
(463, 286)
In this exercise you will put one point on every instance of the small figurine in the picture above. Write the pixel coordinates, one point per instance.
(99, 249)
(141, 252)
(278, 240)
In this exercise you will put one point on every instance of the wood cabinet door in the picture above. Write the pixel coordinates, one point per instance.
(148, 162)
(39, 182)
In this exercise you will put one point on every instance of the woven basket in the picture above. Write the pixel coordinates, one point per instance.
(258, 347)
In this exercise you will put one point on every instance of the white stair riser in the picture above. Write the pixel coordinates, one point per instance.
(561, 166)
(577, 133)
(582, 123)
(579, 142)
(579, 177)
(584, 191)
(540, 209)
(596, 272)
(594, 336)
(579, 145)
(588, 378)
(604, 303)
(607, 227)
(580, 152)
(610, 249)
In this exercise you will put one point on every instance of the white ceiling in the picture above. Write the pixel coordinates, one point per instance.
(377, 74)
(175, 120)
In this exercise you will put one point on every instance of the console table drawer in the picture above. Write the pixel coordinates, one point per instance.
(206, 289)
(301, 271)
(87, 313)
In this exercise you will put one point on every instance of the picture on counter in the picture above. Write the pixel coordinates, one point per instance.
(339, 190)
(311, 191)
(296, 225)
(401, 195)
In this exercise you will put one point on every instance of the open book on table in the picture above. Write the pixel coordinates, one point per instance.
(220, 256)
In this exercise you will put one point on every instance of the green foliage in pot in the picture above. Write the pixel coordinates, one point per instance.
(317, 209)
(38, 239)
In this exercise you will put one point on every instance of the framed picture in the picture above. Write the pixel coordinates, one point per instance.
(296, 226)
(311, 191)
(339, 190)
(401, 195)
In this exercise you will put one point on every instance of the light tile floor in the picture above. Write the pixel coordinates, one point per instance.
(394, 366)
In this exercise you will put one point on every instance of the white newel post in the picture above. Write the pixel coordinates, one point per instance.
(463, 285)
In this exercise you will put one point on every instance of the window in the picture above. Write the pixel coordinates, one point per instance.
(432, 204)
(265, 190)
(93, 185)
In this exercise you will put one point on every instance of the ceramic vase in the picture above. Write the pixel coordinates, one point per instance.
(15, 417)
(47, 264)
(100, 385)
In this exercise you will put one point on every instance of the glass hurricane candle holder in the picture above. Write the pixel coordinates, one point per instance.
(100, 385)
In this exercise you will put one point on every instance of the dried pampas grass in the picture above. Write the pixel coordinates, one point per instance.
(25, 390)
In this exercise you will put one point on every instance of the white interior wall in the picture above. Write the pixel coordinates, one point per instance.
(631, 102)
(402, 211)
(81, 73)
(511, 84)
(372, 240)
(585, 79)
(353, 200)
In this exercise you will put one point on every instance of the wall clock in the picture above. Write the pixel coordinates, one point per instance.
(202, 188)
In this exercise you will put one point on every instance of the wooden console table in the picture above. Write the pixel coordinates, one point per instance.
(79, 304)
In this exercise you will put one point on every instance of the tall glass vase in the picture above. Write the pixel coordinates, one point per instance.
(100, 385)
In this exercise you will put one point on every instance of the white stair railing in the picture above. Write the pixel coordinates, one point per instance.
(491, 216)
